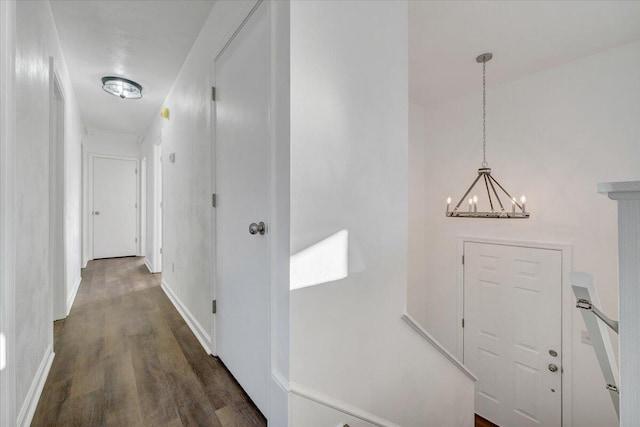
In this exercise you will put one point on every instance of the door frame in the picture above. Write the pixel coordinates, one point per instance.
(143, 207)
(157, 206)
(7, 205)
(89, 213)
(57, 197)
(566, 251)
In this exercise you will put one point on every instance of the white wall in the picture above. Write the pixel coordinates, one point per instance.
(109, 143)
(552, 135)
(37, 40)
(417, 272)
(112, 143)
(7, 213)
(349, 171)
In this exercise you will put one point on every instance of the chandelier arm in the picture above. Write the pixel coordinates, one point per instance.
(506, 192)
(467, 193)
(488, 192)
(495, 192)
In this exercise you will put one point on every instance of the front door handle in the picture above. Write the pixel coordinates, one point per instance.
(257, 228)
(553, 367)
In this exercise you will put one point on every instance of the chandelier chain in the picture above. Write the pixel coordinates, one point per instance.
(484, 114)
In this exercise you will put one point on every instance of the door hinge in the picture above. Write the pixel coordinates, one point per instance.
(160, 250)
(213, 307)
(136, 206)
(463, 322)
(213, 200)
(213, 93)
(136, 240)
(462, 259)
(612, 387)
(136, 171)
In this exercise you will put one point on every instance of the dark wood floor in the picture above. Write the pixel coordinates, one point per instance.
(481, 422)
(125, 357)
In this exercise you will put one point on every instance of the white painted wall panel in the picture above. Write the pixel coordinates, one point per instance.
(349, 171)
(307, 413)
(417, 271)
(552, 135)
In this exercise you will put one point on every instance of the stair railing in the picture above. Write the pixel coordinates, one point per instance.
(588, 301)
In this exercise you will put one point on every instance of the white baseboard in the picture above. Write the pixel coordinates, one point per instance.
(148, 265)
(345, 408)
(72, 296)
(279, 399)
(197, 329)
(28, 409)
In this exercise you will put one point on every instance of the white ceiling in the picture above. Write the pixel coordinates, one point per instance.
(145, 41)
(524, 36)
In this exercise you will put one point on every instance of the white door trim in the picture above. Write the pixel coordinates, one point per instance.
(57, 199)
(143, 207)
(214, 246)
(157, 206)
(89, 212)
(7, 205)
(566, 304)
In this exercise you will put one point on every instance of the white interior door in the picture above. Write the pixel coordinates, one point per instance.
(114, 207)
(242, 185)
(512, 333)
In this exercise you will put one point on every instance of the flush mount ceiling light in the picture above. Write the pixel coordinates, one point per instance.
(124, 88)
(496, 208)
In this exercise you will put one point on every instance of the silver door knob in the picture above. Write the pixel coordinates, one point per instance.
(257, 228)
(96, 213)
(553, 367)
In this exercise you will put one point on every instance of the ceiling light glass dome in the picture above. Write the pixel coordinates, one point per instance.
(121, 87)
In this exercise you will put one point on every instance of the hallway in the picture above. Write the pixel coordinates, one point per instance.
(124, 356)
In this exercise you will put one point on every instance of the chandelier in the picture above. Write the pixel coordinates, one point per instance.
(497, 209)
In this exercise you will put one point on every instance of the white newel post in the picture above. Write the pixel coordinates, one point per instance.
(627, 194)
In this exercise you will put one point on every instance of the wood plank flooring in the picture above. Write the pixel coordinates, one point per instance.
(125, 357)
(481, 422)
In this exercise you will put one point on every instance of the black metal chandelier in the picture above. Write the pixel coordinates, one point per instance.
(494, 189)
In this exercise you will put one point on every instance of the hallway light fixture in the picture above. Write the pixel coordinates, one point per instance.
(121, 87)
(497, 208)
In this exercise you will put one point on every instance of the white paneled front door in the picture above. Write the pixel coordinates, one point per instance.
(512, 332)
(243, 156)
(114, 207)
